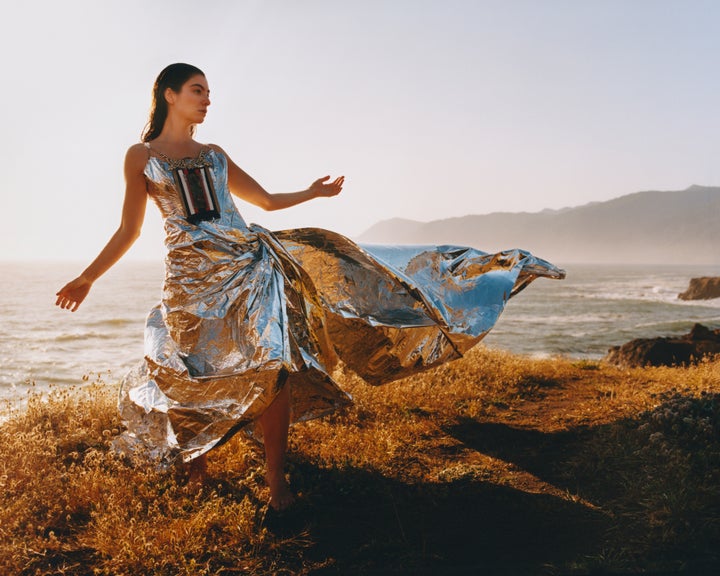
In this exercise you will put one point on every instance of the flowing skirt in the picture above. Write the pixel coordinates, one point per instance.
(238, 320)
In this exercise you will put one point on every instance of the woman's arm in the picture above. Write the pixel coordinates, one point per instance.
(73, 293)
(244, 186)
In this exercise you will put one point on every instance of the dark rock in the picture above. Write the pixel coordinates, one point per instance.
(703, 288)
(700, 342)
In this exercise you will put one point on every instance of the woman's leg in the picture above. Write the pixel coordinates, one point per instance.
(197, 471)
(275, 422)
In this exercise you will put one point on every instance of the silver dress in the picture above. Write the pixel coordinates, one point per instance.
(245, 311)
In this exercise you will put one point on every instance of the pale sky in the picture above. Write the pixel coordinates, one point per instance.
(431, 109)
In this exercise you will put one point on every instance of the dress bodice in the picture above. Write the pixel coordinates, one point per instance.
(164, 190)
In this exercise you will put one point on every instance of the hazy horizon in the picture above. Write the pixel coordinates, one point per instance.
(606, 260)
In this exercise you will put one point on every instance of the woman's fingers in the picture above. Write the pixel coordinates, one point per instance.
(66, 303)
(70, 296)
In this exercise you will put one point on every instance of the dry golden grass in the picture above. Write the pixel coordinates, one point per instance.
(494, 462)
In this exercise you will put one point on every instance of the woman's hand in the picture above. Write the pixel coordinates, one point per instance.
(246, 188)
(73, 293)
(320, 188)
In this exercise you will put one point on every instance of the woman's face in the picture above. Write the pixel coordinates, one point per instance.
(192, 102)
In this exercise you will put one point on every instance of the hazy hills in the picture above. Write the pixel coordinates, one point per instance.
(681, 227)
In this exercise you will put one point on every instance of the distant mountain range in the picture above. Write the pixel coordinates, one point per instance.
(681, 227)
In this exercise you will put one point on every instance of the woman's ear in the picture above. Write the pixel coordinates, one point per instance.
(170, 96)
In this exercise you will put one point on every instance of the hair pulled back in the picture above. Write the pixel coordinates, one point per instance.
(173, 77)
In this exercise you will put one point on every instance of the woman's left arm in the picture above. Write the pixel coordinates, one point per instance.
(245, 187)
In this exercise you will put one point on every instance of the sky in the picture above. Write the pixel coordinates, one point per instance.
(431, 109)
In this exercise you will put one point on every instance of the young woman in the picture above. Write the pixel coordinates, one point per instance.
(251, 323)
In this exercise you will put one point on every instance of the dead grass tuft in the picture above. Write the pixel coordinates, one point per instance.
(494, 462)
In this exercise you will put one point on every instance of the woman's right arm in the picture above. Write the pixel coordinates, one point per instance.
(71, 295)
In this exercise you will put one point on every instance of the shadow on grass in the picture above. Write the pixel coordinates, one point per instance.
(652, 482)
(363, 523)
(656, 477)
(542, 454)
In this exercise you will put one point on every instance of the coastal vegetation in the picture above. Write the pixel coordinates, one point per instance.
(495, 463)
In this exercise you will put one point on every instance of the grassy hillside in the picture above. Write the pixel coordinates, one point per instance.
(492, 464)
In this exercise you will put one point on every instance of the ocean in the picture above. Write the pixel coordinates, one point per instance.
(594, 308)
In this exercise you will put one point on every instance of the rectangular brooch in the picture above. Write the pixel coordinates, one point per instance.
(198, 193)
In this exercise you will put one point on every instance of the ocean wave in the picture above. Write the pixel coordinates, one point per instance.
(659, 297)
(83, 336)
(677, 326)
(714, 303)
(569, 319)
(116, 322)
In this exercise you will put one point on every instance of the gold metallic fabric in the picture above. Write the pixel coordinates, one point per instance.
(245, 311)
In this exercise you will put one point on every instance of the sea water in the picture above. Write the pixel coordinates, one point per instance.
(594, 308)
(600, 306)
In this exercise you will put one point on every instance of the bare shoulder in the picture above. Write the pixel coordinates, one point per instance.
(219, 150)
(137, 152)
(136, 158)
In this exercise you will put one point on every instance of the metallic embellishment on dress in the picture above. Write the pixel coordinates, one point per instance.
(194, 183)
(197, 193)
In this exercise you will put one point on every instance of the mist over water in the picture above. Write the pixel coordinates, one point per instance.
(594, 308)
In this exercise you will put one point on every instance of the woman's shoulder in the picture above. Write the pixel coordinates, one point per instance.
(137, 156)
(137, 151)
(217, 149)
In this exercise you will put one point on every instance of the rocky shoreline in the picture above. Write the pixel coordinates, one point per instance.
(704, 288)
(701, 342)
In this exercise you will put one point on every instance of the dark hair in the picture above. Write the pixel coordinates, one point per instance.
(173, 77)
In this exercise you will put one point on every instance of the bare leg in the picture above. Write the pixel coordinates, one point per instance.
(197, 471)
(275, 422)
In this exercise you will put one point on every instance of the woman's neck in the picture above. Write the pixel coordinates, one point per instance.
(174, 132)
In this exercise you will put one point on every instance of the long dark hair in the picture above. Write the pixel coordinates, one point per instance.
(173, 77)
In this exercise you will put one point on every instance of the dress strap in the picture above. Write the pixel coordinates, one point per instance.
(152, 151)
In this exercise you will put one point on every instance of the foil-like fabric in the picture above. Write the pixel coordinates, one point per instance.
(245, 311)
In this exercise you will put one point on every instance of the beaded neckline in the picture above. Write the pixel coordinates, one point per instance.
(188, 162)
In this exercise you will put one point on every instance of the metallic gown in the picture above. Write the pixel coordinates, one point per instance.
(245, 311)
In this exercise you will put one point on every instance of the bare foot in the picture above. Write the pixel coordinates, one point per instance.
(197, 471)
(281, 496)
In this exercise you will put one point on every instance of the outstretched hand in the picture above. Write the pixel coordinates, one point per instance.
(73, 293)
(321, 188)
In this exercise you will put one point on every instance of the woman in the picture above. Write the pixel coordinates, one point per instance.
(252, 323)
